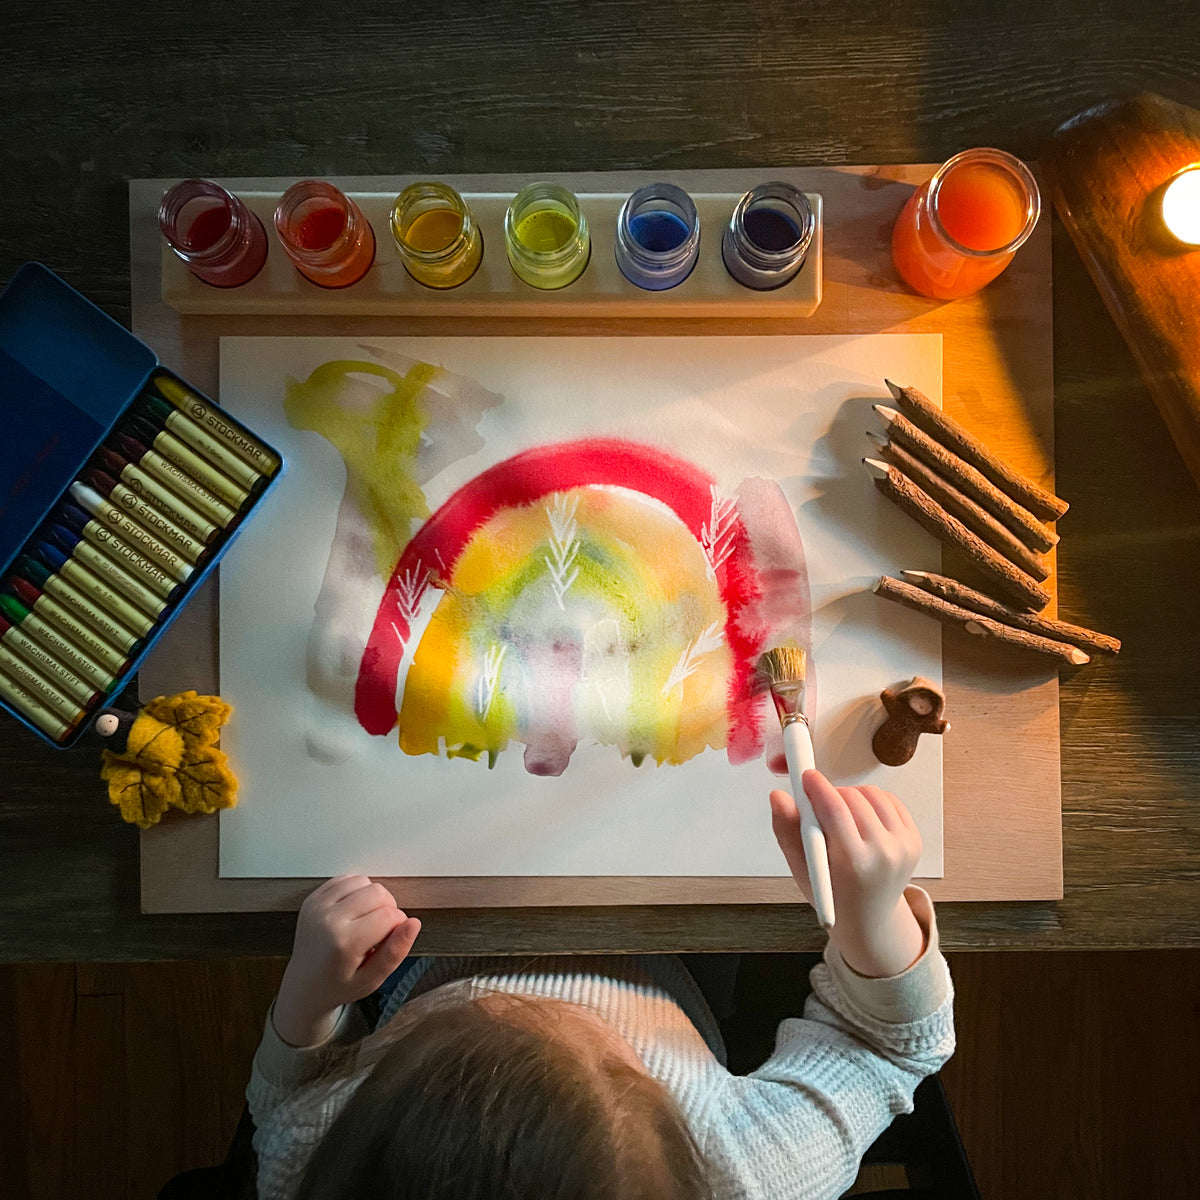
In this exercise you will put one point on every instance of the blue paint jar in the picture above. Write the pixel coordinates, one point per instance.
(768, 236)
(658, 237)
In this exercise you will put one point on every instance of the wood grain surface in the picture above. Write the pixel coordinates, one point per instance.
(151, 90)
(1107, 170)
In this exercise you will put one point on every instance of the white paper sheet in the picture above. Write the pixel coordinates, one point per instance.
(792, 409)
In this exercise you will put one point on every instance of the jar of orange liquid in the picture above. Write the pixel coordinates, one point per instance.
(325, 234)
(961, 229)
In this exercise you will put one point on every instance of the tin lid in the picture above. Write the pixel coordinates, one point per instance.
(67, 371)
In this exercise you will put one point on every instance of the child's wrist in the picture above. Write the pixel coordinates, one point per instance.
(301, 1029)
(880, 947)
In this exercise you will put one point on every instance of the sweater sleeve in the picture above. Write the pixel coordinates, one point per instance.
(799, 1125)
(283, 1139)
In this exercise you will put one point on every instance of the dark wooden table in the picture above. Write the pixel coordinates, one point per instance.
(93, 97)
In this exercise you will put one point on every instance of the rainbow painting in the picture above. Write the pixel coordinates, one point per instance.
(597, 589)
(503, 616)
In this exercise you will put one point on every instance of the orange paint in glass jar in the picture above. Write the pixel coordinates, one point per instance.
(325, 234)
(961, 229)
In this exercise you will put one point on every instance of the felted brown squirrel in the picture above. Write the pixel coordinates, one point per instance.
(915, 709)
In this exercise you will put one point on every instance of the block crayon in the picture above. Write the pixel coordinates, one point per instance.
(146, 515)
(62, 648)
(17, 647)
(89, 598)
(175, 478)
(160, 413)
(152, 577)
(161, 496)
(93, 505)
(60, 547)
(253, 453)
(33, 710)
(170, 447)
(54, 614)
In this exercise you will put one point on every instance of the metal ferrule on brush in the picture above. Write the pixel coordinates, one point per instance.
(789, 703)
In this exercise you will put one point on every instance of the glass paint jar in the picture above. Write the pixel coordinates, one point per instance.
(436, 235)
(658, 237)
(961, 229)
(223, 243)
(768, 235)
(325, 234)
(547, 236)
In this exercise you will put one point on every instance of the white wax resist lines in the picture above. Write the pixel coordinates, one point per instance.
(717, 533)
(704, 643)
(564, 545)
(485, 689)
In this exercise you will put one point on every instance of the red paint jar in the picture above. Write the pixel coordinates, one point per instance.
(325, 234)
(221, 240)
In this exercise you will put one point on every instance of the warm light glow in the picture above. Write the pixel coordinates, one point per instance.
(1181, 206)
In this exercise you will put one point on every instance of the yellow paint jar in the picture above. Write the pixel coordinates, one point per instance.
(436, 235)
(546, 235)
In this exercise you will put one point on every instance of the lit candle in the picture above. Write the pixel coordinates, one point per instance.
(1181, 206)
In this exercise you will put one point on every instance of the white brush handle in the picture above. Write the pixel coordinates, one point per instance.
(797, 745)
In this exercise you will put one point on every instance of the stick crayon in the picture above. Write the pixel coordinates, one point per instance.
(146, 515)
(153, 492)
(33, 710)
(175, 478)
(149, 574)
(214, 420)
(89, 616)
(159, 412)
(88, 640)
(67, 653)
(124, 526)
(170, 447)
(87, 597)
(61, 548)
(16, 647)
(37, 685)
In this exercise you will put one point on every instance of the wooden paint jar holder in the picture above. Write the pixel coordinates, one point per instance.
(494, 290)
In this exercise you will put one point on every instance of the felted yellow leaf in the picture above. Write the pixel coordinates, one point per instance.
(198, 718)
(142, 796)
(206, 783)
(156, 745)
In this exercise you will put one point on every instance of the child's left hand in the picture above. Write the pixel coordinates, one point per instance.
(350, 936)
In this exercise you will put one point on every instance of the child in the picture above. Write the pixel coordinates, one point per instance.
(599, 1077)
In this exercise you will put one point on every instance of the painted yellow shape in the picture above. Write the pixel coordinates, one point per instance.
(378, 443)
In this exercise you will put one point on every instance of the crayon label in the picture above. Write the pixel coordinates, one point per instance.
(156, 578)
(93, 586)
(251, 451)
(33, 710)
(49, 695)
(174, 506)
(96, 647)
(42, 661)
(89, 613)
(67, 652)
(160, 524)
(112, 572)
(204, 443)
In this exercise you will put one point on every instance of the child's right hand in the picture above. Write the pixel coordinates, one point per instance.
(350, 936)
(873, 847)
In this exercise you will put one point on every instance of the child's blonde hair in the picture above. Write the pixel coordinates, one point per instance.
(472, 1100)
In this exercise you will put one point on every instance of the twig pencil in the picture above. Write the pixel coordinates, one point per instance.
(924, 413)
(923, 601)
(959, 593)
(978, 520)
(967, 479)
(1023, 589)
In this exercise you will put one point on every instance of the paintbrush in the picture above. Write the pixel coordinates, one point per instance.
(784, 669)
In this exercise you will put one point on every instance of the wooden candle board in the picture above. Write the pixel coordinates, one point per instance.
(1002, 810)
(494, 291)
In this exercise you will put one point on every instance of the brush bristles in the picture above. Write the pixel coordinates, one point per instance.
(783, 665)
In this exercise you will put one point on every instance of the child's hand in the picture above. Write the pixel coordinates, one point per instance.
(873, 847)
(350, 937)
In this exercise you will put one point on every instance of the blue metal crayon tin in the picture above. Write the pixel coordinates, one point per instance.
(72, 381)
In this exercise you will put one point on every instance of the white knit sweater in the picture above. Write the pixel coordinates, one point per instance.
(796, 1127)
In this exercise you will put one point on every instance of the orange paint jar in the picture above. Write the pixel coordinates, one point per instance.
(325, 234)
(961, 229)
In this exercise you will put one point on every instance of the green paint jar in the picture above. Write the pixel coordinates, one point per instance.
(547, 236)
